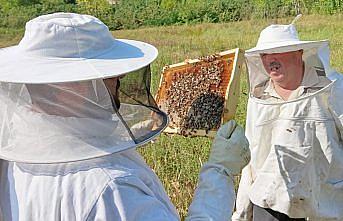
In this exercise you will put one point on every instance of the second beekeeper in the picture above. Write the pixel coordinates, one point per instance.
(294, 127)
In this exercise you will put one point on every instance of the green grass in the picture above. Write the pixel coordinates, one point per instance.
(175, 159)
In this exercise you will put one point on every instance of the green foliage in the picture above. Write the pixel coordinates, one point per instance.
(15, 13)
(327, 6)
(15, 3)
(97, 8)
(272, 8)
(135, 13)
(168, 4)
(129, 14)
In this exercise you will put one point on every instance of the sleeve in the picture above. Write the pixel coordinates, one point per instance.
(335, 176)
(336, 102)
(214, 197)
(129, 199)
(243, 205)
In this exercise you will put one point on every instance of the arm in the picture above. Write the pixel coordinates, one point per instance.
(336, 102)
(215, 196)
(335, 156)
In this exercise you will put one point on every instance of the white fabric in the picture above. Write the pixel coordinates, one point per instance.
(75, 47)
(116, 187)
(296, 146)
(74, 121)
(244, 211)
(281, 37)
(297, 153)
(214, 196)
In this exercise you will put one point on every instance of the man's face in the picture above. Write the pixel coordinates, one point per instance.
(284, 68)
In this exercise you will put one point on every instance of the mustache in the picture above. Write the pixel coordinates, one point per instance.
(274, 66)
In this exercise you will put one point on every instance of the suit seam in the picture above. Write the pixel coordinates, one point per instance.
(97, 199)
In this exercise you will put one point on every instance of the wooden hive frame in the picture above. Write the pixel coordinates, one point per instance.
(233, 61)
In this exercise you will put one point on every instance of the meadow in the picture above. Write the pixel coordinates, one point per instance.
(175, 159)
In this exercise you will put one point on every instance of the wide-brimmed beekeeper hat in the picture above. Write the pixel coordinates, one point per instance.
(280, 38)
(69, 91)
(74, 47)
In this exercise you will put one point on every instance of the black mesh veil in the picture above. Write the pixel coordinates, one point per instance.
(137, 107)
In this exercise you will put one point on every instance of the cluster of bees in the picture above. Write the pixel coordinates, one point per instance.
(193, 101)
(205, 112)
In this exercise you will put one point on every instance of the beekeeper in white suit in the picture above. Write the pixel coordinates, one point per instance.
(74, 105)
(294, 128)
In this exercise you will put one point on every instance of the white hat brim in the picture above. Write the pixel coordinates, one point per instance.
(123, 57)
(285, 46)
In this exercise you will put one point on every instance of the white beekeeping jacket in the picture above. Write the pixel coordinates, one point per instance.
(118, 187)
(296, 165)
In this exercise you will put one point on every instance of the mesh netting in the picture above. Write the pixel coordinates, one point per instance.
(61, 122)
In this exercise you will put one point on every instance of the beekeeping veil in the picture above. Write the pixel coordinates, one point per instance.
(284, 38)
(69, 91)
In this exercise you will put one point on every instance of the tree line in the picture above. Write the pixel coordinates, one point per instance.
(127, 14)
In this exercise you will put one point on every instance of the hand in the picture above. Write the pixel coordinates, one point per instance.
(230, 148)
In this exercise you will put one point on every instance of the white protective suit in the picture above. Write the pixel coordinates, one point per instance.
(296, 146)
(72, 114)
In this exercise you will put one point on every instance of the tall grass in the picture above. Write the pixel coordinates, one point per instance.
(175, 159)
